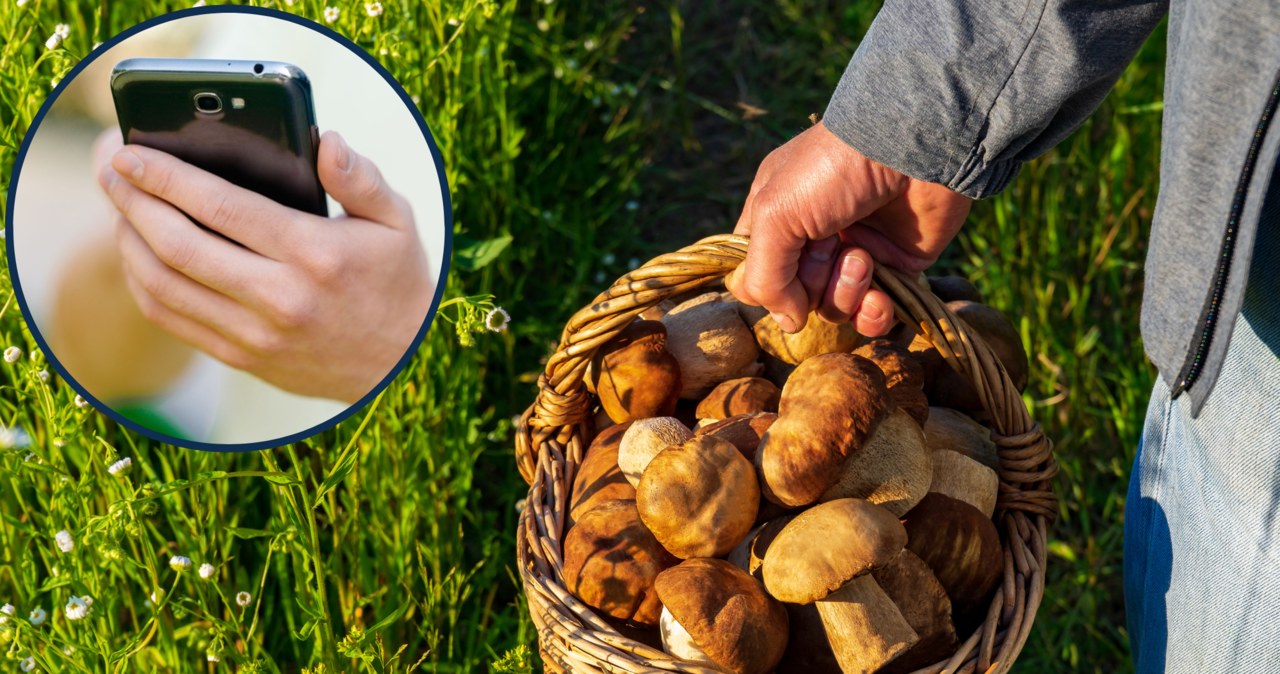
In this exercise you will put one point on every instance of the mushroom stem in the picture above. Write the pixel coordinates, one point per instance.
(866, 630)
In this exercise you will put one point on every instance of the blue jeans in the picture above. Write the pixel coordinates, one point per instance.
(1202, 521)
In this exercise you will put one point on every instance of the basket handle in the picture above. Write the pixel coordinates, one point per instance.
(563, 404)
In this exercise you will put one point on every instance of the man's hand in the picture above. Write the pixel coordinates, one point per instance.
(818, 213)
(317, 306)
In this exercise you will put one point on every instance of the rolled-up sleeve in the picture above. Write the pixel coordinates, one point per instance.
(963, 92)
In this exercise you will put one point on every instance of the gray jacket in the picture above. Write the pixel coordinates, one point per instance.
(962, 92)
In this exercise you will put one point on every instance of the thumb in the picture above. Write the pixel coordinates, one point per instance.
(358, 185)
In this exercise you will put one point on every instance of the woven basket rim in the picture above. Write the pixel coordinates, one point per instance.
(553, 434)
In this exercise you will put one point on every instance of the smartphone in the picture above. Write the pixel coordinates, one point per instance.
(251, 122)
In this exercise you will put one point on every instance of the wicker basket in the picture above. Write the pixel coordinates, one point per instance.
(555, 431)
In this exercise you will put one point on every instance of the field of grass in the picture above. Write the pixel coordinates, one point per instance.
(583, 137)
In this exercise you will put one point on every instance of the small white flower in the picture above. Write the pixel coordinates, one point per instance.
(243, 599)
(64, 541)
(50, 44)
(384, 51)
(13, 353)
(330, 14)
(589, 44)
(6, 611)
(155, 598)
(198, 3)
(497, 319)
(608, 259)
(43, 376)
(543, 25)
(452, 21)
(22, 2)
(121, 466)
(212, 657)
(31, 456)
(373, 8)
(62, 30)
(416, 100)
(38, 616)
(179, 563)
(88, 601)
(81, 402)
(547, 2)
(69, 651)
(76, 609)
(97, 44)
(28, 665)
(207, 571)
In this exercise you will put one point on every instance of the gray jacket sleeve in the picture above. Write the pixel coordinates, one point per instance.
(962, 92)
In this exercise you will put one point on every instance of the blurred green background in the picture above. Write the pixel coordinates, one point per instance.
(580, 138)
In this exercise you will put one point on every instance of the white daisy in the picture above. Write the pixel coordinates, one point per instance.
(76, 609)
(243, 599)
(212, 657)
(206, 571)
(13, 353)
(64, 541)
(62, 30)
(43, 376)
(88, 601)
(373, 8)
(38, 616)
(179, 563)
(81, 402)
(121, 466)
(330, 14)
(497, 319)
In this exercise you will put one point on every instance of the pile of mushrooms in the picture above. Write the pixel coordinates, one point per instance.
(815, 502)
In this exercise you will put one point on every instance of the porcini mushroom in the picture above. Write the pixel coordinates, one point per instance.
(598, 478)
(749, 554)
(699, 498)
(745, 395)
(709, 340)
(952, 288)
(743, 431)
(960, 545)
(826, 556)
(644, 439)
(611, 561)
(903, 376)
(814, 339)
(893, 469)
(714, 612)
(951, 389)
(634, 375)
(829, 408)
(956, 431)
(964, 479)
(924, 604)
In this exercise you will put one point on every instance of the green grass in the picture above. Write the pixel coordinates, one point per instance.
(588, 135)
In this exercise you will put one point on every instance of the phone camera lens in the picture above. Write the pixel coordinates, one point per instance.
(208, 103)
(257, 68)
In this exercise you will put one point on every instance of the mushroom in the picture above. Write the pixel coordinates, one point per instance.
(924, 604)
(893, 470)
(814, 339)
(952, 288)
(956, 431)
(744, 395)
(749, 554)
(634, 375)
(743, 431)
(829, 408)
(964, 479)
(644, 439)
(598, 478)
(950, 388)
(826, 556)
(903, 375)
(700, 498)
(713, 612)
(960, 545)
(711, 343)
(611, 561)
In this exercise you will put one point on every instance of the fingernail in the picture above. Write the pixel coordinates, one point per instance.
(784, 321)
(823, 250)
(853, 272)
(871, 311)
(127, 163)
(344, 153)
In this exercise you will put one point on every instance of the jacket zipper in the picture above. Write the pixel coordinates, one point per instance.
(1210, 314)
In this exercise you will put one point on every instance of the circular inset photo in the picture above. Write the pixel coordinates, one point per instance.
(229, 228)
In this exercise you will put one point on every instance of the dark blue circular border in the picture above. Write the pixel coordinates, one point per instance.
(444, 263)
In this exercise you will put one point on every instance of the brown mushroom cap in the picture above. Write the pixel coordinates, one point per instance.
(711, 343)
(743, 431)
(611, 561)
(903, 376)
(827, 546)
(960, 545)
(964, 479)
(998, 331)
(829, 408)
(644, 440)
(924, 603)
(893, 470)
(634, 375)
(598, 478)
(749, 554)
(700, 498)
(727, 613)
(815, 338)
(956, 431)
(952, 288)
(745, 395)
